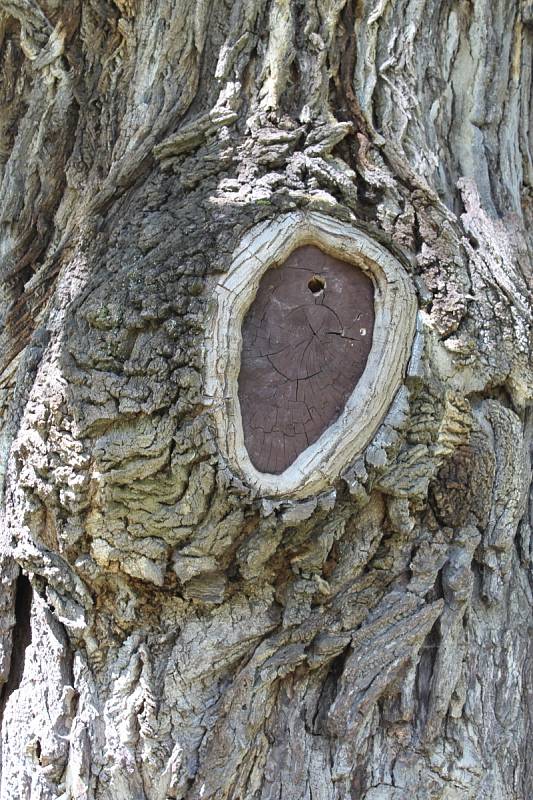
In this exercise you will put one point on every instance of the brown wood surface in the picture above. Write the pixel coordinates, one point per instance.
(306, 340)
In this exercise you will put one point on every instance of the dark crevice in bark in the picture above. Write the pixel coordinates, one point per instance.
(426, 663)
(428, 653)
(329, 692)
(369, 199)
(418, 239)
(501, 394)
(21, 638)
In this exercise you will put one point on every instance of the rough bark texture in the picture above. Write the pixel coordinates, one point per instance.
(183, 637)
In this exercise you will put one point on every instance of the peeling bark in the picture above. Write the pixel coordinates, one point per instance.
(170, 628)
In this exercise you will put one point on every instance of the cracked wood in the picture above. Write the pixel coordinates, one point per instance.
(306, 340)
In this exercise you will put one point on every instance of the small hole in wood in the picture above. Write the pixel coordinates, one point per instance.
(317, 284)
(301, 356)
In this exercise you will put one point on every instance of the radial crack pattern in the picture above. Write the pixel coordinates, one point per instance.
(306, 340)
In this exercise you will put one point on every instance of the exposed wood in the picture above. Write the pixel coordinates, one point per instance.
(306, 340)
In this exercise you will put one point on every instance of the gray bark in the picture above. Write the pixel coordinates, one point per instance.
(165, 631)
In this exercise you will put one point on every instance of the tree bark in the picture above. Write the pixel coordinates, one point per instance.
(168, 630)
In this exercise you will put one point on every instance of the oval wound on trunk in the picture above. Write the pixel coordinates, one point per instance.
(305, 343)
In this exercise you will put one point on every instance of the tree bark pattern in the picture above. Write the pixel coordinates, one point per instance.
(186, 637)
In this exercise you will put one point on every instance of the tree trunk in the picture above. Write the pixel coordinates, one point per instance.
(175, 624)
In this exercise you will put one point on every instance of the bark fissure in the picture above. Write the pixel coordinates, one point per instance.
(20, 639)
